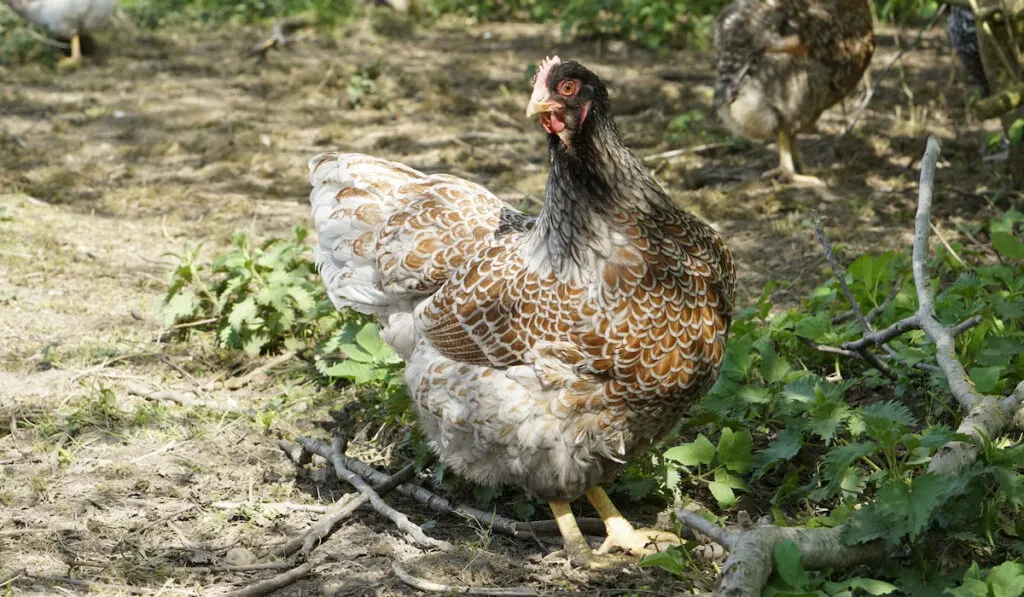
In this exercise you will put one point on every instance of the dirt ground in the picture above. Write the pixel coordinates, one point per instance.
(169, 137)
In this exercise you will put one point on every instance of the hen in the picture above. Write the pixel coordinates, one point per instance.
(540, 353)
(781, 63)
(67, 19)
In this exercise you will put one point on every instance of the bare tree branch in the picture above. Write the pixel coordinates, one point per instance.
(335, 457)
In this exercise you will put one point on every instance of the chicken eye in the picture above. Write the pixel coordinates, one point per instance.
(567, 88)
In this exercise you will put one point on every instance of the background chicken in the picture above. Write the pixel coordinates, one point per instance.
(781, 63)
(66, 19)
(546, 353)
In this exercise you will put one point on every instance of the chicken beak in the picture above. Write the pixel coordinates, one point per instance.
(540, 103)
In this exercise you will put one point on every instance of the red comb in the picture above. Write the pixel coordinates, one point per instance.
(545, 68)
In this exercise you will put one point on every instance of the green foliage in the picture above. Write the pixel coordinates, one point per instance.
(22, 43)
(261, 299)
(831, 441)
(160, 13)
(1005, 580)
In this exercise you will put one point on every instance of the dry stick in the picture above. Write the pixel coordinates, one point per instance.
(987, 415)
(100, 587)
(277, 506)
(278, 582)
(335, 457)
(840, 275)
(314, 536)
(706, 527)
(421, 495)
(238, 382)
(667, 155)
(506, 526)
(426, 585)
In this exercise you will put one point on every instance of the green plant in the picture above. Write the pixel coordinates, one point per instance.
(261, 299)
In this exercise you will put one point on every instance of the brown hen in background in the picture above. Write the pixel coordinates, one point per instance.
(781, 63)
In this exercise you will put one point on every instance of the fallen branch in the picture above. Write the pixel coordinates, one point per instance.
(490, 520)
(674, 153)
(279, 507)
(238, 382)
(181, 398)
(280, 581)
(433, 587)
(100, 587)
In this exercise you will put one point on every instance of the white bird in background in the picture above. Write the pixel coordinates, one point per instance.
(66, 19)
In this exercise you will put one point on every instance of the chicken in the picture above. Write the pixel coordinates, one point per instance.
(67, 19)
(781, 63)
(540, 353)
(963, 36)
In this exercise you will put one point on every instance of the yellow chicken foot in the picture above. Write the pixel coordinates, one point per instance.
(75, 60)
(789, 165)
(621, 534)
(576, 547)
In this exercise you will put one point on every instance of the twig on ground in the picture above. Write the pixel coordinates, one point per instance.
(674, 153)
(105, 587)
(840, 276)
(483, 137)
(420, 494)
(337, 459)
(238, 382)
(433, 587)
(181, 398)
(280, 581)
(242, 568)
(275, 506)
(403, 475)
(344, 508)
(706, 527)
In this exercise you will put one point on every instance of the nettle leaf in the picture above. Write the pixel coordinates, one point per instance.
(839, 459)
(302, 297)
(670, 560)
(886, 420)
(181, 307)
(369, 339)
(801, 390)
(700, 451)
(986, 379)
(972, 585)
(1008, 245)
(359, 373)
(785, 446)
(813, 328)
(356, 353)
(1006, 580)
(868, 585)
(255, 345)
(734, 450)
(773, 367)
(242, 313)
(724, 494)
(789, 564)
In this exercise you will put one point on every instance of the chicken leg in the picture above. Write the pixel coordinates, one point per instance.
(621, 534)
(74, 61)
(790, 165)
(576, 547)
